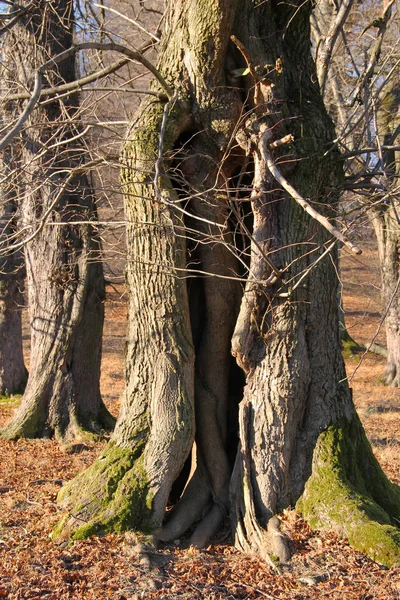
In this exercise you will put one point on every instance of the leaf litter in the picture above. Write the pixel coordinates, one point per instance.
(323, 566)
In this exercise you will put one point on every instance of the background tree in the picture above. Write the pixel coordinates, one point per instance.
(231, 102)
(360, 84)
(13, 374)
(65, 284)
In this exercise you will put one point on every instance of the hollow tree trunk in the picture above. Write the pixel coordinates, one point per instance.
(386, 222)
(65, 284)
(296, 405)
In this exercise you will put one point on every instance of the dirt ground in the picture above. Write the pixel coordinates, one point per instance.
(32, 471)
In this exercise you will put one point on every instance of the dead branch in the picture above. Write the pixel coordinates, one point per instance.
(381, 23)
(264, 149)
(73, 85)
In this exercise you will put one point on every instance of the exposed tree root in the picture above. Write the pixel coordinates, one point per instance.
(349, 493)
(249, 536)
(34, 421)
(350, 346)
(191, 506)
(391, 375)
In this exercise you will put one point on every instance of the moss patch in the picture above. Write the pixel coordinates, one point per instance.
(349, 493)
(9, 402)
(111, 495)
(350, 348)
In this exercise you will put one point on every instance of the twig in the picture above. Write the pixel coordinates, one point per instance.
(296, 196)
(251, 587)
(311, 267)
(14, 17)
(372, 342)
(67, 87)
(72, 174)
(328, 44)
(365, 78)
(116, 12)
(131, 54)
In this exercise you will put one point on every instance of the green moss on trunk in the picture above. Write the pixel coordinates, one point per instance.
(111, 495)
(349, 493)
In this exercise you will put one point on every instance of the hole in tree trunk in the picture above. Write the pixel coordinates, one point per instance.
(180, 482)
(237, 382)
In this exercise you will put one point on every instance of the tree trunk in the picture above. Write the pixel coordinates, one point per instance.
(65, 284)
(286, 337)
(386, 221)
(13, 374)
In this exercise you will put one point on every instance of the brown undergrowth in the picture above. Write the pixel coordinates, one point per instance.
(31, 472)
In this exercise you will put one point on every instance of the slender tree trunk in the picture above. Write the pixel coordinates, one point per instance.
(296, 417)
(65, 285)
(386, 222)
(13, 374)
(386, 218)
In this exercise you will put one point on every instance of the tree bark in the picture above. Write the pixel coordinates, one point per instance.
(13, 374)
(286, 337)
(386, 222)
(65, 284)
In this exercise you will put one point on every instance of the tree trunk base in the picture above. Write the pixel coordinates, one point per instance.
(250, 537)
(28, 422)
(391, 375)
(349, 493)
(111, 495)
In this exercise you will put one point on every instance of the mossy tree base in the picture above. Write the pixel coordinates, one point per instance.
(111, 495)
(37, 422)
(349, 493)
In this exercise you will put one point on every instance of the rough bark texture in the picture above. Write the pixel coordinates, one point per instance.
(156, 424)
(13, 374)
(386, 222)
(65, 285)
(286, 338)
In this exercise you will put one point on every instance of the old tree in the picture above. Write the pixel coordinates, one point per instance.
(44, 182)
(225, 258)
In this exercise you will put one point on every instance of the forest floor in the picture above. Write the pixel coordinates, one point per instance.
(32, 471)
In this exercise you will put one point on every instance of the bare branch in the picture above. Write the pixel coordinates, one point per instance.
(27, 111)
(138, 25)
(131, 54)
(328, 44)
(73, 85)
(295, 195)
(365, 78)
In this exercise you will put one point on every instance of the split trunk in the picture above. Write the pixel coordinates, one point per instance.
(214, 237)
